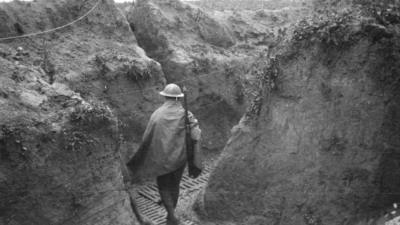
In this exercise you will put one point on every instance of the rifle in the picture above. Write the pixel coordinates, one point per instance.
(194, 171)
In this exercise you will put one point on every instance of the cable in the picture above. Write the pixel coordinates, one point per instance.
(53, 29)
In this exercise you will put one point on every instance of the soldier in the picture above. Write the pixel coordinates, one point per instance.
(162, 153)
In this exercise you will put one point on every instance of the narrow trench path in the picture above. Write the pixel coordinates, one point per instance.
(149, 203)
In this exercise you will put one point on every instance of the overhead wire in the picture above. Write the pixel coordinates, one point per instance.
(53, 29)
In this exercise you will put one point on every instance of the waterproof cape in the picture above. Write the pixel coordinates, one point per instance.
(163, 144)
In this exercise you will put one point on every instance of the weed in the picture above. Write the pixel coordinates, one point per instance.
(91, 113)
(201, 65)
(100, 61)
(132, 68)
(46, 64)
(266, 74)
(136, 74)
(385, 12)
(332, 28)
(76, 140)
(239, 94)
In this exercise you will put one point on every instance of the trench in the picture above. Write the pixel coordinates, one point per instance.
(213, 110)
(85, 173)
(149, 203)
(87, 201)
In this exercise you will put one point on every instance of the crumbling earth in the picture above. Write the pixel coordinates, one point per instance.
(73, 106)
(321, 141)
(317, 142)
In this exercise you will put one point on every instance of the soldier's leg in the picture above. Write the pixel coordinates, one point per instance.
(177, 176)
(165, 188)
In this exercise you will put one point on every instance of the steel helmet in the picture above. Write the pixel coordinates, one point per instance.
(172, 90)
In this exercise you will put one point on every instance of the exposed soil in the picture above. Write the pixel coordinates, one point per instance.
(320, 143)
(65, 105)
(211, 52)
(316, 139)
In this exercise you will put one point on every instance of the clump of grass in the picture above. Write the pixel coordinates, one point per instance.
(91, 112)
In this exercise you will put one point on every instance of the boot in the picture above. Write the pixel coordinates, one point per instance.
(172, 220)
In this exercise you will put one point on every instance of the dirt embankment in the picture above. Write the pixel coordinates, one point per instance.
(210, 51)
(61, 96)
(318, 143)
(321, 143)
(60, 140)
(238, 5)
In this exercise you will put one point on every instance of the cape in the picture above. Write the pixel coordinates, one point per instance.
(162, 149)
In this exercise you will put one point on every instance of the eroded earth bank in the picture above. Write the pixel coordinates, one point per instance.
(321, 143)
(314, 104)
